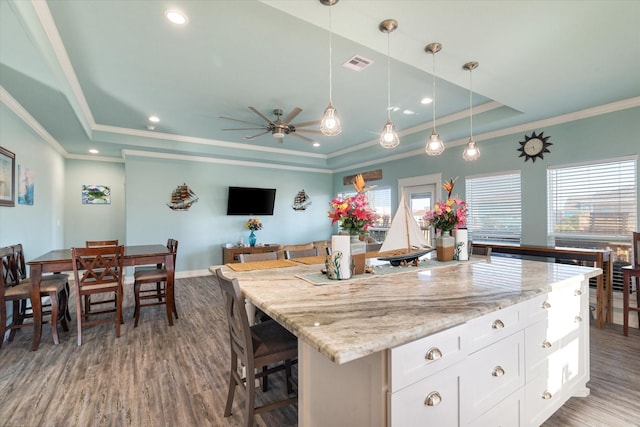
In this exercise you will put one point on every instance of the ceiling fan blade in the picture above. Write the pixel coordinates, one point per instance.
(260, 128)
(241, 121)
(292, 115)
(316, 131)
(311, 123)
(268, 120)
(255, 136)
(301, 137)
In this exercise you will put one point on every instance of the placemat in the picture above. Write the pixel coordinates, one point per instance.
(383, 270)
(309, 260)
(261, 265)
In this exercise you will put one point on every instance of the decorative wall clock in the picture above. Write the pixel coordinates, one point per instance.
(534, 146)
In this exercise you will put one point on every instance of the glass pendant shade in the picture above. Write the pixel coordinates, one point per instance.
(471, 152)
(389, 137)
(330, 124)
(434, 146)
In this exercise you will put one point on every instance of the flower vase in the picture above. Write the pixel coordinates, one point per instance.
(445, 246)
(358, 250)
(252, 239)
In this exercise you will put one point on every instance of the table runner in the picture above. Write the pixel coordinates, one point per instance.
(261, 265)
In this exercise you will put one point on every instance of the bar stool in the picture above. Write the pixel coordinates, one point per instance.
(631, 275)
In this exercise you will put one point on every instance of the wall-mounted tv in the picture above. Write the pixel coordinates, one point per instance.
(251, 201)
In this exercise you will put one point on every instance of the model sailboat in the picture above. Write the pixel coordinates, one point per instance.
(182, 198)
(405, 241)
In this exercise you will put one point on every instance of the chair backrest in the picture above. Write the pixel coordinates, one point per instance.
(636, 249)
(237, 319)
(300, 253)
(265, 256)
(7, 271)
(172, 245)
(100, 243)
(481, 251)
(373, 247)
(20, 264)
(99, 266)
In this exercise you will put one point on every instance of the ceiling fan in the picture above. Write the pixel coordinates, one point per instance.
(278, 127)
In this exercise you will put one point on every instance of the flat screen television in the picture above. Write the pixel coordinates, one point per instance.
(251, 201)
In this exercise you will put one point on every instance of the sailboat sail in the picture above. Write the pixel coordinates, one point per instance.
(404, 233)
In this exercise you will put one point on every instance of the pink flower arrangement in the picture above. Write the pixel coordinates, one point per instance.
(448, 215)
(353, 213)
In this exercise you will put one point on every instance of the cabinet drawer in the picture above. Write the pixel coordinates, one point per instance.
(505, 414)
(418, 359)
(492, 327)
(492, 374)
(432, 401)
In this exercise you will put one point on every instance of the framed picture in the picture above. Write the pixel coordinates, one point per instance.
(96, 194)
(7, 177)
(25, 185)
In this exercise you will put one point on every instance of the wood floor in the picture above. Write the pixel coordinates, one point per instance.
(155, 375)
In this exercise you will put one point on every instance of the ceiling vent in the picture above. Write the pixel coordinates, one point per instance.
(357, 63)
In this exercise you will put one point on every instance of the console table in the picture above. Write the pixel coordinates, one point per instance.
(230, 255)
(601, 259)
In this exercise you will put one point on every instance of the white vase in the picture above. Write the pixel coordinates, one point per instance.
(462, 246)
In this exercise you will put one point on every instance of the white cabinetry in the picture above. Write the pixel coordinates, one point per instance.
(511, 367)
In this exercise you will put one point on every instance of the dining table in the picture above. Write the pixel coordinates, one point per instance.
(59, 260)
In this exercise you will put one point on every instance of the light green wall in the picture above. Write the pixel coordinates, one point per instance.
(93, 222)
(607, 136)
(39, 227)
(204, 228)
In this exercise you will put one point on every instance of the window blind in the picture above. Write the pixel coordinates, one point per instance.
(494, 208)
(594, 202)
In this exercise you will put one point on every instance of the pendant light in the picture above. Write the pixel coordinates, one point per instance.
(471, 152)
(389, 137)
(330, 124)
(434, 146)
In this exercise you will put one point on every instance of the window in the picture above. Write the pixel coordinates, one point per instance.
(494, 208)
(380, 201)
(594, 206)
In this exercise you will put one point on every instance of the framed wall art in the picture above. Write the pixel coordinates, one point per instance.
(7, 177)
(25, 185)
(96, 194)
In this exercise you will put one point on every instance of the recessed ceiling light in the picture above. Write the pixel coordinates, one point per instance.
(426, 100)
(394, 109)
(176, 16)
(316, 144)
(154, 119)
(93, 151)
(408, 112)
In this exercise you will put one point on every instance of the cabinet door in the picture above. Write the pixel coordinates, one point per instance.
(505, 414)
(432, 401)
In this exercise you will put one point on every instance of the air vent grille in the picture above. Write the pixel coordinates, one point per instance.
(357, 63)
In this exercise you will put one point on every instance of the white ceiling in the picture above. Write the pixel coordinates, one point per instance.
(90, 72)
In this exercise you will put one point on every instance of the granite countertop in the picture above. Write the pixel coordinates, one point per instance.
(346, 320)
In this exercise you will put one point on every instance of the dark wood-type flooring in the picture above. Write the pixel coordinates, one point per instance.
(155, 375)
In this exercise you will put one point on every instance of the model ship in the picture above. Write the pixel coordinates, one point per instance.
(301, 201)
(182, 198)
(405, 242)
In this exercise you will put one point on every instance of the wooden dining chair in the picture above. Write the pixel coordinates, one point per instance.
(98, 271)
(18, 292)
(98, 244)
(21, 266)
(265, 256)
(266, 345)
(300, 253)
(158, 275)
(631, 276)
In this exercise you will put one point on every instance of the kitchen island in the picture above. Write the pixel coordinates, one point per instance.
(466, 343)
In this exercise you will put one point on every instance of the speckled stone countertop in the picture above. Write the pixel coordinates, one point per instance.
(347, 320)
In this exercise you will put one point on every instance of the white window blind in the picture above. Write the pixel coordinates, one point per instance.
(595, 202)
(494, 208)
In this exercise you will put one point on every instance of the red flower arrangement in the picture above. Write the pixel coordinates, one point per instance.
(450, 214)
(353, 213)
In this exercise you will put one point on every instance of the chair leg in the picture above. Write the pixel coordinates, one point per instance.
(250, 398)
(53, 296)
(19, 309)
(287, 370)
(232, 385)
(136, 293)
(63, 303)
(68, 291)
(637, 280)
(625, 303)
(3, 323)
(265, 381)
(79, 315)
(119, 319)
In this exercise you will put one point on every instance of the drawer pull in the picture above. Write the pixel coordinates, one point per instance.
(497, 324)
(433, 399)
(546, 344)
(578, 319)
(546, 305)
(434, 353)
(497, 371)
(546, 395)
(578, 292)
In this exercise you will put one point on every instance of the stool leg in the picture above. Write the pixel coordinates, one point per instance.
(637, 280)
(53, 296)
(625, 303)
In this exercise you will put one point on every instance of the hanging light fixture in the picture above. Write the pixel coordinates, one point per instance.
(471, 152)
(330, 124)
(389, 137)
(434, 146)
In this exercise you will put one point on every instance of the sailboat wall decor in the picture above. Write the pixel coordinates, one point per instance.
(182, 198)
(404, 242)
(301, 201)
